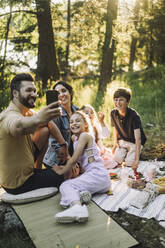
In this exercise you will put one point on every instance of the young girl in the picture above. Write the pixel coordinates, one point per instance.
(100, 131)
(94, 179)
(99, 127)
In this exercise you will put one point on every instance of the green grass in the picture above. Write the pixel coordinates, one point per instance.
(16, 239)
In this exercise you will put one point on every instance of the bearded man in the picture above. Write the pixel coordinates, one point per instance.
(24, 139)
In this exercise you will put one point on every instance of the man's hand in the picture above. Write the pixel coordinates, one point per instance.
(49, 112)
(63, 154)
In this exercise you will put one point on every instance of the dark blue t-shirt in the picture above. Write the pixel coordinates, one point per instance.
(125, 125)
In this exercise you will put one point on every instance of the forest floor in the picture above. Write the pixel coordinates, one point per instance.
(147, 232)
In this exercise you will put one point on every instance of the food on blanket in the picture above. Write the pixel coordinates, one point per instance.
(138, 175)
(159, 181)
(110, 192)
(160, 151)
(151, 174)
(113, 175)
(136, 184)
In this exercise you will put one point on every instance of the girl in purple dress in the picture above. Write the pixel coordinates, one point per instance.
(74, 192)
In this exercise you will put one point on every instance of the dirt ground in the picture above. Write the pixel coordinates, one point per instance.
(147, 232)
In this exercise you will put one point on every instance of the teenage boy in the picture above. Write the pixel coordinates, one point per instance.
(129, 137)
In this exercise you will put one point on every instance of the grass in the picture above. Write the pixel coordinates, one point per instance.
(16, 239)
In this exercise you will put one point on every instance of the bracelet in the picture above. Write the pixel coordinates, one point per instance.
(64, 144)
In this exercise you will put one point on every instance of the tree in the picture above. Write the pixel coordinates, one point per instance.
(151, 49)
(47, 67)
(2, 86)
(108, 48)
(68, 38)
(159, 32)
(134, 38)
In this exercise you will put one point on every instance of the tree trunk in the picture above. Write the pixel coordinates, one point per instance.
(47, 67)
(151, 39)
(108, 47)
(2, 67)
(132, 53)
(68, 40)
(134, 39)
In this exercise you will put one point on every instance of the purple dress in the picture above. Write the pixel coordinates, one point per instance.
(95, 179)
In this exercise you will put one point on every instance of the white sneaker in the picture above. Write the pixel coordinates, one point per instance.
(75, 213)
(85, 197)
(146, 196)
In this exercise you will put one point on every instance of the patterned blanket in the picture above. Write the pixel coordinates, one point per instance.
(122, 194)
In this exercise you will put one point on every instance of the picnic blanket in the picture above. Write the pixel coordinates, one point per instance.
(122, 194)
(101, 231)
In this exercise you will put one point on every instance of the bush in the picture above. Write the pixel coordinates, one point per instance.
(148, 89)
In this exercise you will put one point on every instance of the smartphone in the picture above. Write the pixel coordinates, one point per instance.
(51, 96)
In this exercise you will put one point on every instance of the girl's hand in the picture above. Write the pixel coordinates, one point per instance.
(101, 116)
(74, 137)
(116, 145)
(63, 154)
(60, 170)
(73, 172)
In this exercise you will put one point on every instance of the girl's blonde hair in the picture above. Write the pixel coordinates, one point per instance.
(88, 126)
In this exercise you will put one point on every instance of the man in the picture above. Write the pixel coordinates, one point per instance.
(129, 137)
(24, 139)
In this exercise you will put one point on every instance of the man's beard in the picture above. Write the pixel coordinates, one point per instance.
(25, 101)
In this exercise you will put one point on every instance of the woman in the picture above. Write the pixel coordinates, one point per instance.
(62, 122)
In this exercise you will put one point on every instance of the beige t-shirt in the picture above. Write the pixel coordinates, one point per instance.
(16, 153)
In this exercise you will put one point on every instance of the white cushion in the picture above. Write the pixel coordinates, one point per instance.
(30, 196)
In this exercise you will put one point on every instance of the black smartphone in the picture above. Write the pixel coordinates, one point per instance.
(51, 96)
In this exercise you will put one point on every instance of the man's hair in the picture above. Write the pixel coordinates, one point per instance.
(123, 92)
(66, 85)
(16, 81)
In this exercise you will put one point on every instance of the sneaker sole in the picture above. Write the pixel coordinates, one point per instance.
(64, 206)
(70, 219)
